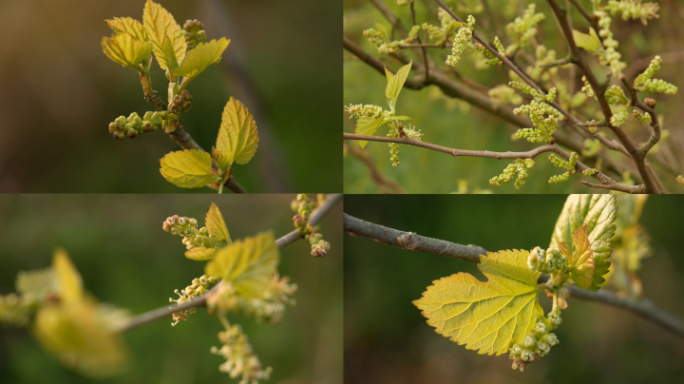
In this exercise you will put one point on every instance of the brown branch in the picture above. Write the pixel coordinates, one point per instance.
(413, 242)
(384, 184)
(165, 312)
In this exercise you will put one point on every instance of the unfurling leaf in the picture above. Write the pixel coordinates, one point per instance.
(216, 225)
(159, 25)
(396, 82)
(581, 259)
(201, 253)
(128, 25)
(588, 42)
(190, 168)
(125, 49)
(490, 316)
(204, 55)
(223, 158)
(249, 263)
(598, 212)
(238, 134)
(368, 126)
(69, 282)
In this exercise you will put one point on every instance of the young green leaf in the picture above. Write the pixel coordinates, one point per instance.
(589, 42)
(204, 55)
(490, 316)
(69, 283)
(368, 126)
(223, 158)
(128, 25)
(216, 225)
(249, 264)
(238, 134)
(396, 82)
(581, 260)
(201, 253)
(170, 55)
(125, 49)
(159, 25)
(598, 212)
(190, 168)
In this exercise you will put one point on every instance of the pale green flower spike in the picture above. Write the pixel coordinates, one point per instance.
(587, 87)
(394, 147)
(544, 127)
(644, 118)
(523, 28)
(461, 42)
(644, 82)
(634, 9)
(380, 39)
(593, 147)
(619, 117)
(570, 165)
(544, 56)
(445, 31)
(616, 96)
(520, 167)
(609, 56)
(589, 172)
(492, 60)
(505, 95)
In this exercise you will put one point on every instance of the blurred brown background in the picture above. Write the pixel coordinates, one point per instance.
(59, 92)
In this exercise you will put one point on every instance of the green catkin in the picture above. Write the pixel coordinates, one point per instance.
(519, 167)
(645, 82)
(634, 9)
(461, 42)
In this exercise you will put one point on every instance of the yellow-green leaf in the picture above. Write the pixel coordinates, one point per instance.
(37, 284)
(128, 25)
(170, 55)
(223, 158)
(581, 259)
(69, 282)
(216, 225)
(396, 82)
(598, 212)
(368, 126)
(588, 42)
(238, 134)
(487, 316)
(81, 338)
(190, 168)
(125, 49)
(201, 253)
(247, 263)
(201, 57)
(159, 25)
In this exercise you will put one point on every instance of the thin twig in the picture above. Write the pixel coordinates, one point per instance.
(413, 242)
(164, 312)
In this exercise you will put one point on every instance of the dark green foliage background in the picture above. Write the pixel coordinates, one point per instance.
(387, 340)
(456, 124)
(59, 92)
(126, 259)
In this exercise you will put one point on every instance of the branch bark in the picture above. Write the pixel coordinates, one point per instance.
(287, 239)
(413, 242)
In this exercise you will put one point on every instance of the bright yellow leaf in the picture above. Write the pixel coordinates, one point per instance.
(201, 57)
(159, 25)
(190, 168)
(238, 134)
(216, 225)
(69, 282)
(490, 316)
(201, 253)
(126, 49)
(128, 25)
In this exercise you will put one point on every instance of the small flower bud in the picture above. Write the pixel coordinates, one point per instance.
(650, 102)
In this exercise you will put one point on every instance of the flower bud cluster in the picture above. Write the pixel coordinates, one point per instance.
(445, 31)
(520, 167)
(538, 343)
(319, 247)
(522, 29)
(644, 118)
(199, 287)
(133, 126)
(587, 87)
(634, 9)
(381, 41)
(619, 117)
(270, 306)
(609, 57)
(616, 96)
(548, 261)
(492, 60)
(193, 32)
(16, 310)
(505, 95)
(412, 133)
(240, 358)
(368, 110)
(192, 236)
(181, 103)
(461, 42)
(305, 205)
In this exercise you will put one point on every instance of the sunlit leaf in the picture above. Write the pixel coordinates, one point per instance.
(249, 263)
(201, 57)
(581, 259)
(128, 25)
(159, 25)
(170, 55)
(368, 126)
(190, 168)
(216, 225)
(238, 134)
(396, 82)
(201, 253)
(588, 42)
(487, 316)
(69, 282)
(125, 49)
(598, 212)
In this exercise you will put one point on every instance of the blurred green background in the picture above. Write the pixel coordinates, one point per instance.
(387, 340)
(118, 245)
(455, 124)
(59, 92)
